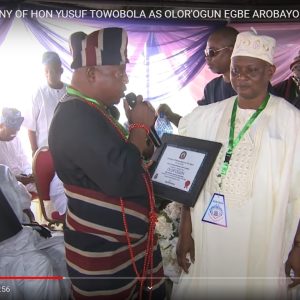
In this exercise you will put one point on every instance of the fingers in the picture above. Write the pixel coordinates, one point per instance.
(142, 112)
(287, 269)
(184, 263)
(294, 283)
(126, 108)
(192, 253)
(290, 273)
(139, 99)
(164, 108)
(182, 259)
(125, 105)
(150, 106)
(295, 278)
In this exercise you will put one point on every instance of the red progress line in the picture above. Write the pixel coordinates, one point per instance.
(31, 277)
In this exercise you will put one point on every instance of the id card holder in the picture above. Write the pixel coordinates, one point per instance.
(216, 211)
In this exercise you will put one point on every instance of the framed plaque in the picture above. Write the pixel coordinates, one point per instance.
(181, 166)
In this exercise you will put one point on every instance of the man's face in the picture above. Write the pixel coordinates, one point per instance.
(53, 73)
(218, 61)
(296, 70)
(6, 133)
(111, 81)
(250, 76)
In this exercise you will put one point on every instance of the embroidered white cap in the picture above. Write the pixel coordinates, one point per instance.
(251, 44)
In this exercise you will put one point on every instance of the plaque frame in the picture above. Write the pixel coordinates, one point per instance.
(209, 148)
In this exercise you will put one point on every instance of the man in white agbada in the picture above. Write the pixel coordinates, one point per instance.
(38, 118)
(252, 196)
(26, 253)
(12, 153)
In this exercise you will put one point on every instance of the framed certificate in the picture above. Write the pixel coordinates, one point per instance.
(181, 166)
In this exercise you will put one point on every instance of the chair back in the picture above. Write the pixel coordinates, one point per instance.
(43, 171)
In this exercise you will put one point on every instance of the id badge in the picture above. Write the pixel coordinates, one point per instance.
(216, 211)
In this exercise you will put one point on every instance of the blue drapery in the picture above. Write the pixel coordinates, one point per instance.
(181, 48)
(179, 43)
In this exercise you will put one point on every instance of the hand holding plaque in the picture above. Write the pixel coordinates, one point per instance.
(181, 167)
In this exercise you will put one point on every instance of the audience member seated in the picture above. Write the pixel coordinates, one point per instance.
(12, 153)
(290, 88)
(26, 253)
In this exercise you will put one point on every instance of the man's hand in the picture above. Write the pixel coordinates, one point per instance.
(293, 263)
(25, 179)
(143, 112)
(185, 245)
(170, 115)
(166, 110)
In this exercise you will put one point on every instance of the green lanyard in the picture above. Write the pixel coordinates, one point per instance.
(103, 107)
(74, 92)
(233, 142)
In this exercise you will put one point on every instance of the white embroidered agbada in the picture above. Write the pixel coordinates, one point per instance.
(39, 116)
(58, 196)
(12, 154)
(29, 254)
(262, 195)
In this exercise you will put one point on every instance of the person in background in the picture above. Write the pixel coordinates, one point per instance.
(12, 153)
(111, 248)
(44, 102)
(289, 89)
(217, 54)
(241, 240)
(24, 252)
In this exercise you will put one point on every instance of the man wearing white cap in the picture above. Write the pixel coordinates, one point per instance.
(12, 153)
(240, 253)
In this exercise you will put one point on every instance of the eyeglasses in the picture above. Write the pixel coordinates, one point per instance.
(209, 52)
(249, 71)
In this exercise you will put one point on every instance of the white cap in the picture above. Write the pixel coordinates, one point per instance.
(249, 43)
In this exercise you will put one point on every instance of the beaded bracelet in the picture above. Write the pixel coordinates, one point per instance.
(139, 125)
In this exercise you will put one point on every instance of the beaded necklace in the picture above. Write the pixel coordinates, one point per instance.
(101, 108)
(148, 260)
